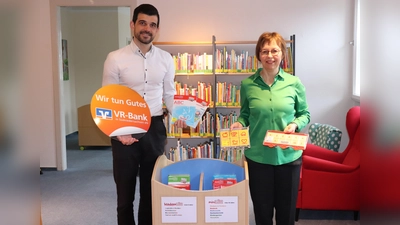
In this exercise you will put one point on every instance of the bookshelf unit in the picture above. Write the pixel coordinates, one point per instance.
(230, 77)
(189, 77)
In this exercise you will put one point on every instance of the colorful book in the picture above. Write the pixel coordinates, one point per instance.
(180, 181)
(235, 137)
(298, 141)
(188, 108)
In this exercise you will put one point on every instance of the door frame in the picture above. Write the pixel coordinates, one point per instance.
(55, 29)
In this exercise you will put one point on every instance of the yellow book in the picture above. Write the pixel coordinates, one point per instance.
(244, 137)
(234, 138)
(224, 136)
(298, 141)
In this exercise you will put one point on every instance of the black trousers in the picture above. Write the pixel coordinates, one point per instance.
(126, 162)
(274, 187)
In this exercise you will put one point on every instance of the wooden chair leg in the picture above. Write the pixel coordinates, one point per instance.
(296, 218)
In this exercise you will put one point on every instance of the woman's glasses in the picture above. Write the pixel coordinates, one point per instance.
(274, 52)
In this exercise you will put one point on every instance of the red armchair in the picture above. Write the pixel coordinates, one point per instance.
(331, 180)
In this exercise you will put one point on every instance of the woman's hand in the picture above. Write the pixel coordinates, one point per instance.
(236, 125)
(127, 139)
(290, 128)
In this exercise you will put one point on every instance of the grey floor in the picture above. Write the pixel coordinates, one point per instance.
(84, 194)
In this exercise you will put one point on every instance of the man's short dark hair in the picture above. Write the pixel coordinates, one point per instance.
(147, 9)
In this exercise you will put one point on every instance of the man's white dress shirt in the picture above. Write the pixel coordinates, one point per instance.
(151, 74)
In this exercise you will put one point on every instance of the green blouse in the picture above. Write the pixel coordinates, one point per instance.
(265, 107)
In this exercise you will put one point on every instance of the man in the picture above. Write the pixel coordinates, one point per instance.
(150, 72)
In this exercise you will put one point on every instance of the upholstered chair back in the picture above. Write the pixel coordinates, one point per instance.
(325, 136)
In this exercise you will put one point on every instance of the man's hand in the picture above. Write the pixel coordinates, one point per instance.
(290, 128)
(127, 139)
(181, 123)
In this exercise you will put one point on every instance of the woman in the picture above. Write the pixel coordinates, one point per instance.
(272, 99)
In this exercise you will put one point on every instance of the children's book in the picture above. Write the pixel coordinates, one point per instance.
(188, 108)
(235, 137)
(180, 181)
(223, 180)
(297, 141)
(201, 107)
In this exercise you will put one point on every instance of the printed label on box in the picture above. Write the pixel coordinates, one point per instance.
(221, 209)
(178, 210)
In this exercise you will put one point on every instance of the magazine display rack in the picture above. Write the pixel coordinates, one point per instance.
(201, 204)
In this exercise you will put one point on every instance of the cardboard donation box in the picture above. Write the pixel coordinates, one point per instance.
(201, 204)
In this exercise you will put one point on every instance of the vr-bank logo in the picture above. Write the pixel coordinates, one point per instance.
(105, 114)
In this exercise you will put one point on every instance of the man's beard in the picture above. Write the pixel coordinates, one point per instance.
(144, 41)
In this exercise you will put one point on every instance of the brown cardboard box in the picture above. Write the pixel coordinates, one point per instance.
(160, 190)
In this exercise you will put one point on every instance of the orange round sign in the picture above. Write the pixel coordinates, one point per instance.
(119, 110)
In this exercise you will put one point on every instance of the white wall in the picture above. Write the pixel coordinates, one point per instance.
(91, 33)
(323, 54)
(96, 34)
(124, 31)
